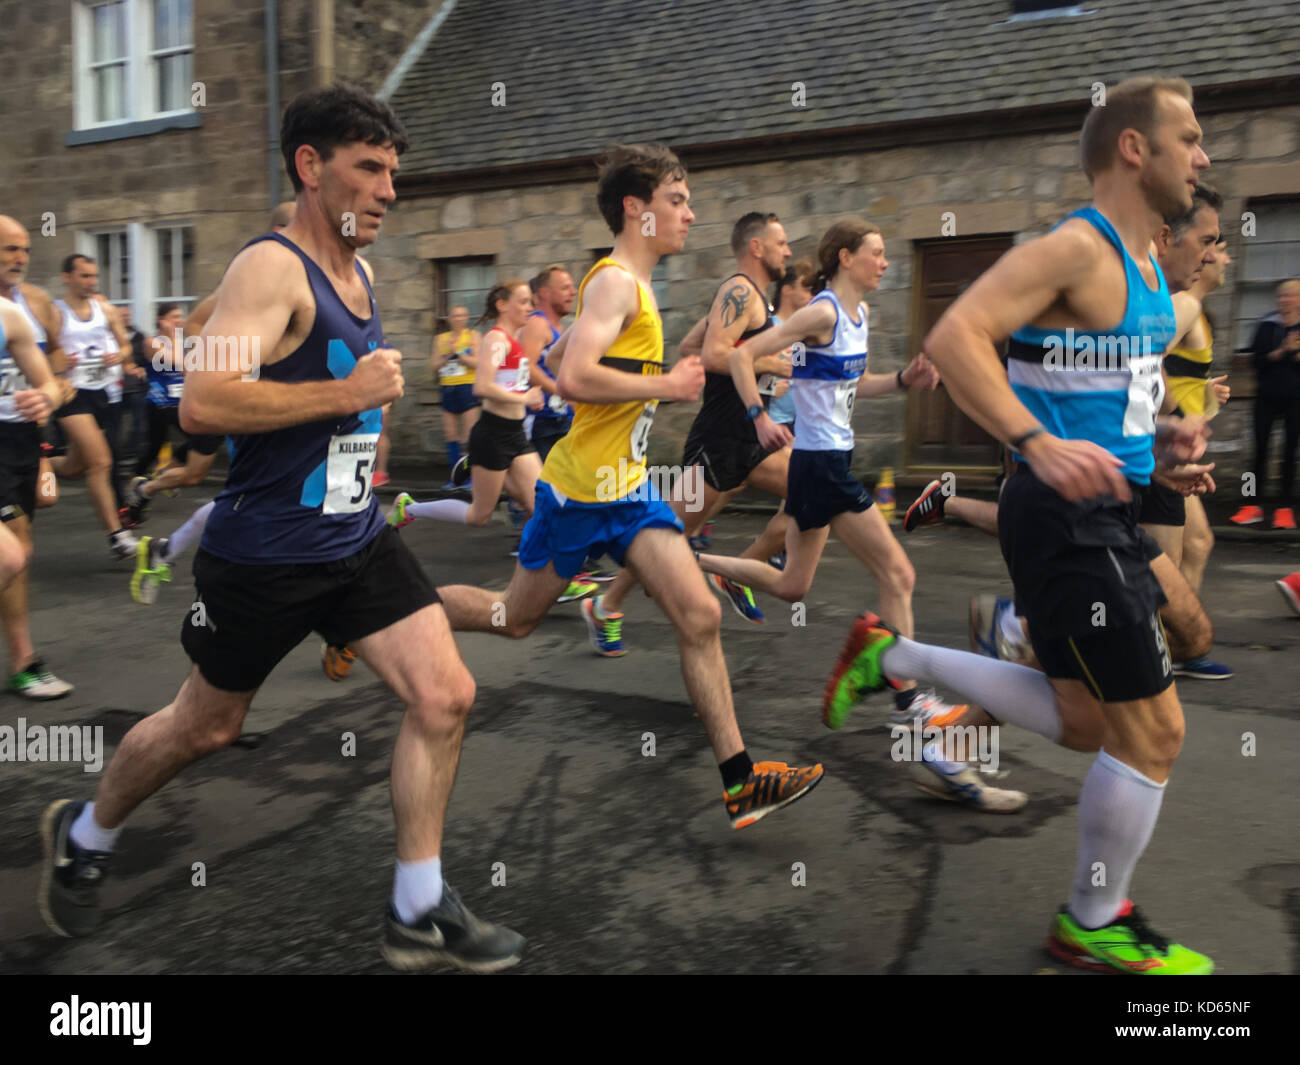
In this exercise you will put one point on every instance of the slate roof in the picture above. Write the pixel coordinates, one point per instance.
(580, 73)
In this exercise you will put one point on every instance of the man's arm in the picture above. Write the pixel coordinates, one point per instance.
(119, 334)
(610, 299)
(49, 317)
(199, 316)
(533, 338)
(1017, 289)
(34, 403)
(693, 342)
(737, 307)
(256, 300)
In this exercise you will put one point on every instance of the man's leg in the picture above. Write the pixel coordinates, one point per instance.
(88, 452)
(1198, 542)
(110, 424)
(1290, 445)
(1170, 539)
(513, 613)
(1187, 626)
(980, 513)
(195, 471)
(772, 475)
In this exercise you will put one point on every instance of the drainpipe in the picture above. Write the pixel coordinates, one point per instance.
(273, 99)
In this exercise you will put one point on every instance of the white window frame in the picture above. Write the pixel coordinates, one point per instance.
(474, 301)
(141, 83)
(145, 265)
(153, 271)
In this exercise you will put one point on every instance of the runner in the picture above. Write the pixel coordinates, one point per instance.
(1068, 517)
(296, 542)
(721, 453)
(594, 494)
(553, 295)
(28, 394)
(453, 363)
(93, 342)
(830, 372)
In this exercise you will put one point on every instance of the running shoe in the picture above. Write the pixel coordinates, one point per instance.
(397, 516)
(927, 710)
(742, 599)
(858, 671)
(450, 935)
(460, 472)
(928, 508)
(125, 519)
(1248, 515)
(593, 573)
(1127, 944)
(606, 630)
(778, 561)
(380, 479)
(967, 786)
(1284, 518)
(703, 540)
(122, 544)
(987, 636)
(71, 878)
(37, 682)
(1202, 669)
(770, 786)
(336, 660)
(150, 570)
(1289, 586)
(137, 503)
(577, 589)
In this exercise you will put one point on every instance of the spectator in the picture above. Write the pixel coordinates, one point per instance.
(1276, 350)
(135, 387)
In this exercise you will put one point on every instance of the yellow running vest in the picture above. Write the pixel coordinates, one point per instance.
(602, 457)
(453, 371)
(1187, 370)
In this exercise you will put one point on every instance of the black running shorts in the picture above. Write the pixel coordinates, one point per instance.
(1084, 583)
(87, 401)
(728, 454)
(20, 469)
(495, 442)
(246, 618)
(1162, 506)
(821, 487)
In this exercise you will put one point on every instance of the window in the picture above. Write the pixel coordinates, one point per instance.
(1271, 257)
(463, 283)
(144, 266)
(134, 60)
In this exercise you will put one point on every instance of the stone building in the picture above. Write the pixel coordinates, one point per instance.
(954, 126)
(140, 131)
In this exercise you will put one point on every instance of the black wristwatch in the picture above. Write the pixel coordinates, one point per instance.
(753, 412)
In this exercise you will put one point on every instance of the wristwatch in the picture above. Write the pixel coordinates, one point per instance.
(753, 412)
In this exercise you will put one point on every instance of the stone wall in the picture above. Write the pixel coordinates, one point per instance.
(1016, 184)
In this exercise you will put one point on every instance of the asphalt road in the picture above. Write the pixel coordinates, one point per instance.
(613, 861)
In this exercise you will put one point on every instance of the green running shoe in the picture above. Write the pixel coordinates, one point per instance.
(857, 672)
(397, 516)
(577, 589)
(1126, 945)
(150, 570)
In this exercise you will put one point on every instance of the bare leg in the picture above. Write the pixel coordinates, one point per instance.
(514, 612)
(803, 552)
(88, 453)
(1187, 626)
(487, 494)
(193, 472)
(1170, 539)
(15, 552)
(1198, 542)
(977, 512)
(521, 479)
(662, 561)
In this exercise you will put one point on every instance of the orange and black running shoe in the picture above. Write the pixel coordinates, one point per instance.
(770, 786)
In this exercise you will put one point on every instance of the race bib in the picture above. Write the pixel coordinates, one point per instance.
(1146, 391)
(349, 471)
(174, 390)
(11, 378)
(845, 393)
(640, 439)
(556, 403)
(767, 384)
(453, 367)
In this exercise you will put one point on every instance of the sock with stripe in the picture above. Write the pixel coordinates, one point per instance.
(179, 542)
(452, 510)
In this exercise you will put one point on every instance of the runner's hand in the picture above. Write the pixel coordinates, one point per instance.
(1180, 440)
(33, 404)
(376, 379)
(1188, 480)
(772, 435)
(685, 379)
(534, 398)
(1076, 469)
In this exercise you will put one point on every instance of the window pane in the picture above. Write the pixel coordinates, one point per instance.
(110, 32)
(167, 68)
(164, 25)
(187, 262)
(185, 23)
(164, 240)
(468, 284)
(110, 93)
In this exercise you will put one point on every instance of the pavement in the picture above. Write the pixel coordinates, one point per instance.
(275, 855)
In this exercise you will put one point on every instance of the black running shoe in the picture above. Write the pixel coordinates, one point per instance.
(450, 935)
(460, 472)
(72, 877)
(928, 507)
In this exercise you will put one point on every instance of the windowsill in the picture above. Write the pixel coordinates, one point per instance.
(142, 128)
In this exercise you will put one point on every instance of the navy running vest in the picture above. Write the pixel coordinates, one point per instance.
(554, 407)
(302, 494)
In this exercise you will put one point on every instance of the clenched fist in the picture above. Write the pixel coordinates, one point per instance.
(376, 379)
(685, 379)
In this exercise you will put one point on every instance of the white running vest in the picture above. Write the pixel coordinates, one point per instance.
(824, 380)
(37, 328)
(11, 381)
(90, 341)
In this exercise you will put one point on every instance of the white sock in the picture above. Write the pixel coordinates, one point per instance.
(417, 888)
(1012, 693)
(179, 541)
(1118, 807)
(87, 834)
(453, 510)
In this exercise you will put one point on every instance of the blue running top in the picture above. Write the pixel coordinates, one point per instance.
(554, 407)
(1105, 387)
(302, 494)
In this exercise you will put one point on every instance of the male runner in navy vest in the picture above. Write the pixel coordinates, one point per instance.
(296, 541)
(1078, 404)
